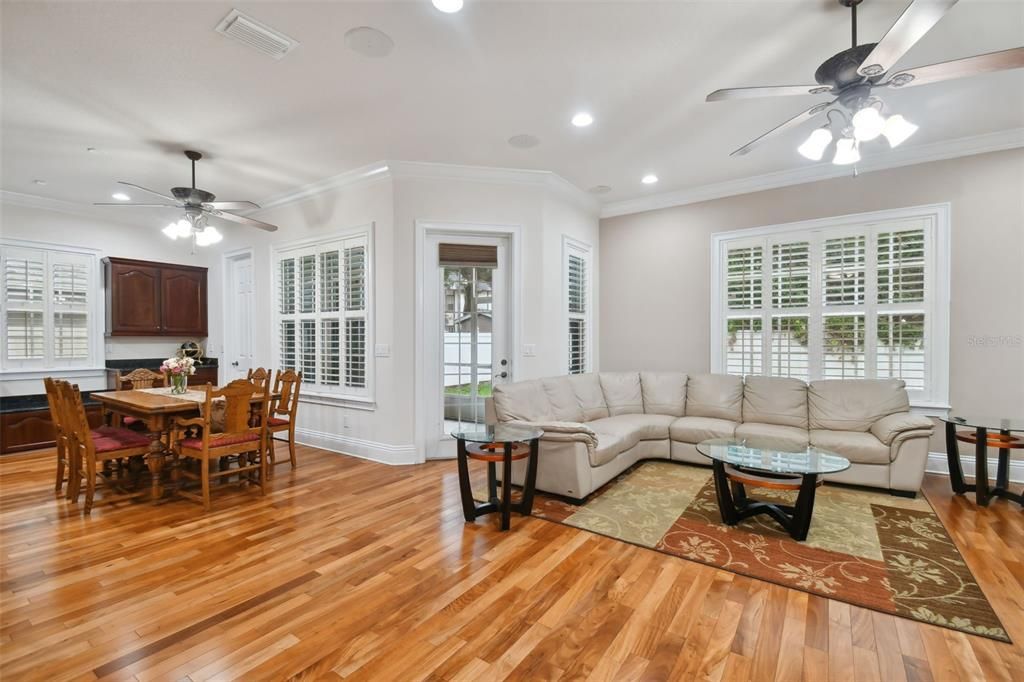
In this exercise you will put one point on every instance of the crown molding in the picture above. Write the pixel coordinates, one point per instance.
(934, 151)
(67, 207)
(369, 173)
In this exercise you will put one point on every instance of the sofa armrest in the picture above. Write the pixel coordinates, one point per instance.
(887, 429)
(561, 431)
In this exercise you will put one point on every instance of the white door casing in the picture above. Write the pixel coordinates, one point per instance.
(239, 296)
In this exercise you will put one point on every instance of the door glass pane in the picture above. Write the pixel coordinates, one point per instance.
(468, 314)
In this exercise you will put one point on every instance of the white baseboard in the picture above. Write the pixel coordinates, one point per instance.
(384, 453)
(938, 464)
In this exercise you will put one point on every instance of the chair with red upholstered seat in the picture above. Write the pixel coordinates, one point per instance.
(283, 411)
(243, 436)
(134, 380)
(53, 400)
(259, 376)
(88, 448)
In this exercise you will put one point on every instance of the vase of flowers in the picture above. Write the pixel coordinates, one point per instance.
(178, 371)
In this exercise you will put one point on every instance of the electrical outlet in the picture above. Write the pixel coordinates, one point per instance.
(346, 422)
(382, 350)
(529, 350)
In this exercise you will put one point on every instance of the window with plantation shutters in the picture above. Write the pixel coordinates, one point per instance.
(577, 306)
(47, 317)
(323, 294)
(853, 297)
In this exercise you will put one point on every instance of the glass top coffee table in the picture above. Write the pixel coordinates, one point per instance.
(739, 463)
(1002, 433)
(496, 443)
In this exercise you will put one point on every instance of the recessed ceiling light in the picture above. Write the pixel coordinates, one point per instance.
(523, 141)
(448, 6)
(120, 196)
(39, 182)
(649, 179)
(369, 42)
(600, 189)
(582, 119)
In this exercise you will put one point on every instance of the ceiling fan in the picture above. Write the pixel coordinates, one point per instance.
(199, 205)
(852, 77)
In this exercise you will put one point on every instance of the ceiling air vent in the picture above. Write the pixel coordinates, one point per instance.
(248, 31)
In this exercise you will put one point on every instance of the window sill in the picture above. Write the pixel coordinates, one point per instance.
(348, 402)
(59, 372)
(930, 409)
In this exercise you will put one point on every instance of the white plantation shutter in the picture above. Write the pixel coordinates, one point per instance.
(836, 302)
(323, 314)
(46, 302)
(578, 304)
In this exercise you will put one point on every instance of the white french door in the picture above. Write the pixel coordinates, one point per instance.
(466, 331)
(238, 300)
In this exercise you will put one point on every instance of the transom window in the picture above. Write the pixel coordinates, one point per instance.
(48, 297)
(322, 321)
(855, 297)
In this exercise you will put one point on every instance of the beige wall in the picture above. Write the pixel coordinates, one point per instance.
(655, 269)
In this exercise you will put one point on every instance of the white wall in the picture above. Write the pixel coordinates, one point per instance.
(110, 237)
(656, 269)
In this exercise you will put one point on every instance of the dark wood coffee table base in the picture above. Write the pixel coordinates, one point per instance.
(493, 453)
(734, 505)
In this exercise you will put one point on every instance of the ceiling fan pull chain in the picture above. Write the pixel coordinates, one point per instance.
(853, 10)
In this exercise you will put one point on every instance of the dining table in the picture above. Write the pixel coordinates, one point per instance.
(158, 408)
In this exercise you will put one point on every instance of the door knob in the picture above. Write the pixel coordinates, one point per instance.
(235, 363)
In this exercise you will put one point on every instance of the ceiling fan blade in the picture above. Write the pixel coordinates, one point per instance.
(121, 203)
(767, 91)
(243, 220)
(958, 68)
(129, 184)
(230, 205)
(797, 120)
(916, 20)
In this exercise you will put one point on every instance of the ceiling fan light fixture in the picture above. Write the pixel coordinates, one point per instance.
(209, 235)
(846, 152)
(868, 124)
(816, 144)
(179, 229)
(897, 129)
(448, 6)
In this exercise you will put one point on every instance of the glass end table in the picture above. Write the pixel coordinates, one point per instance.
(493, 444)
(996, 432)
(738, 463)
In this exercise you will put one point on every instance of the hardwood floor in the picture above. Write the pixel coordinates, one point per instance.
(360, 570)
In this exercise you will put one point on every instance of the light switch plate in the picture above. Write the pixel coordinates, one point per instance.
(382, 350)
(529, 350)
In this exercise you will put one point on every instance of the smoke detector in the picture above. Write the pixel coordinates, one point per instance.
(256, 35)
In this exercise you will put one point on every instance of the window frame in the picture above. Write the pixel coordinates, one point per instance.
(575, 247)
(934, 399)
(93, 309)
(315, 392)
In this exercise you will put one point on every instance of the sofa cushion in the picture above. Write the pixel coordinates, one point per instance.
(622, 392)
(857, 446)
(523, 400)
(776, 435)
(587, 388)
(563, 404)
(854, 404)
(664, 392)
(718, 396)
(642, 426)
(775, 400)
(696, 429)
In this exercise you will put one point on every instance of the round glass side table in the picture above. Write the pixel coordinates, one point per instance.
(996, 432)
(493, 444)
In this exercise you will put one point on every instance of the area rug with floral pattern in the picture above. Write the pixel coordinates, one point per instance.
(866, 548)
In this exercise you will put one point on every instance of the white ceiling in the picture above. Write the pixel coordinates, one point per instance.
(141, 81)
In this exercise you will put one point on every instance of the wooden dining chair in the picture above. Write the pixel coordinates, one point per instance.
(56, 413)
(134, 380)
(88, 450)
(197, 439)
(282, 412)
(260, 377)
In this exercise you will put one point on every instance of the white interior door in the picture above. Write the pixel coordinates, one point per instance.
(238, 333)
(466, 335)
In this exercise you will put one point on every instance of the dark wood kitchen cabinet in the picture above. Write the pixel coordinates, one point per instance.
(153, 299)
(33, 429)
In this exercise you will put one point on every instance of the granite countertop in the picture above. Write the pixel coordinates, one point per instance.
(152, 363)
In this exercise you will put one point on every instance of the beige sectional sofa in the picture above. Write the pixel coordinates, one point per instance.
(598, 425)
